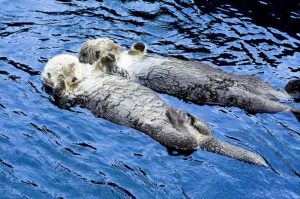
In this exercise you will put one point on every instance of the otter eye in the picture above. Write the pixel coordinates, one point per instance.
(98, 54)
(49, 75)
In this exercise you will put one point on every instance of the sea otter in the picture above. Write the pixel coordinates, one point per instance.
(127, 103)
(197, 82)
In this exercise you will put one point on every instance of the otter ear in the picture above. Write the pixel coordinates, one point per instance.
(98, 54)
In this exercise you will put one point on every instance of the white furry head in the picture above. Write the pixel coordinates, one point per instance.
(92, 50)
(63, 68)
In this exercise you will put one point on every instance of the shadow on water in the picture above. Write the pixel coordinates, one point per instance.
(53, 151)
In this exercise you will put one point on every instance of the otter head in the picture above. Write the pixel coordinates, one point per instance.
(92, 50)
(62, 73)
(138, 48)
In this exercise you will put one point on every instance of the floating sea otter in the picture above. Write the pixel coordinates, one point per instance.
(190, 80)
(127, 103)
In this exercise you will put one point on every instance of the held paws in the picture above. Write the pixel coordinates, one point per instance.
(108, 58)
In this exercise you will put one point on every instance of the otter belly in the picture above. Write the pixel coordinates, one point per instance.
(125, 102)
(202, 84)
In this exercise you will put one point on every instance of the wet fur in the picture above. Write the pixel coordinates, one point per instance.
(127, 103)
(61, 73)
(200, 83)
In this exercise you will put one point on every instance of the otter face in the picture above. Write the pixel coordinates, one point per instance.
(92, 50)
(138, 48)
(62, 73)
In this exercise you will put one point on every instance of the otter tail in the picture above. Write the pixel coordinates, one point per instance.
(216, 146)
(293, 88)
(185, 122)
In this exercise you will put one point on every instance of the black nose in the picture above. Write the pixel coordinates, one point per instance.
(74, 79)
(139, 46)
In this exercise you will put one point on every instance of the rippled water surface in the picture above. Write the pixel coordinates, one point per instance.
(48, 152)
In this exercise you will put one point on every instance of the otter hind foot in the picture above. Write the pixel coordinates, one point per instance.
(178, 118)
(181, 119)
(293, 88)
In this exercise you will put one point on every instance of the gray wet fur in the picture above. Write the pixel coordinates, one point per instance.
(127, 103)
(202, 84)
(91, 55)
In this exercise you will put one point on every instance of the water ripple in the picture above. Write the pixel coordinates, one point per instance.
(50, 152)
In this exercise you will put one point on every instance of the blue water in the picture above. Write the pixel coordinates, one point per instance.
(49, 152)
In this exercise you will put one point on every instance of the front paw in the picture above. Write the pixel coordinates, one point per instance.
(108, 58)
(60, 88)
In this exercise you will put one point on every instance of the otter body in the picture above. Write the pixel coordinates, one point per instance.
(198, 82)
(202, 84)
(127, 103)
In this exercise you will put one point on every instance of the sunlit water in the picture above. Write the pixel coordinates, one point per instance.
(48, 152)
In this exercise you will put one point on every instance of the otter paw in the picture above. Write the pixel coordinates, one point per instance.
(59, 89)
(108, 58)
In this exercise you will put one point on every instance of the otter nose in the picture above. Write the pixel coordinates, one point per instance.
(74, 79)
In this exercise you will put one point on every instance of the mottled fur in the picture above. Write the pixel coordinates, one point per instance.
(200, 83)
(102, 46)
(127, 103)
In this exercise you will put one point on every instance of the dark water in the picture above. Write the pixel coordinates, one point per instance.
(48, 152)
